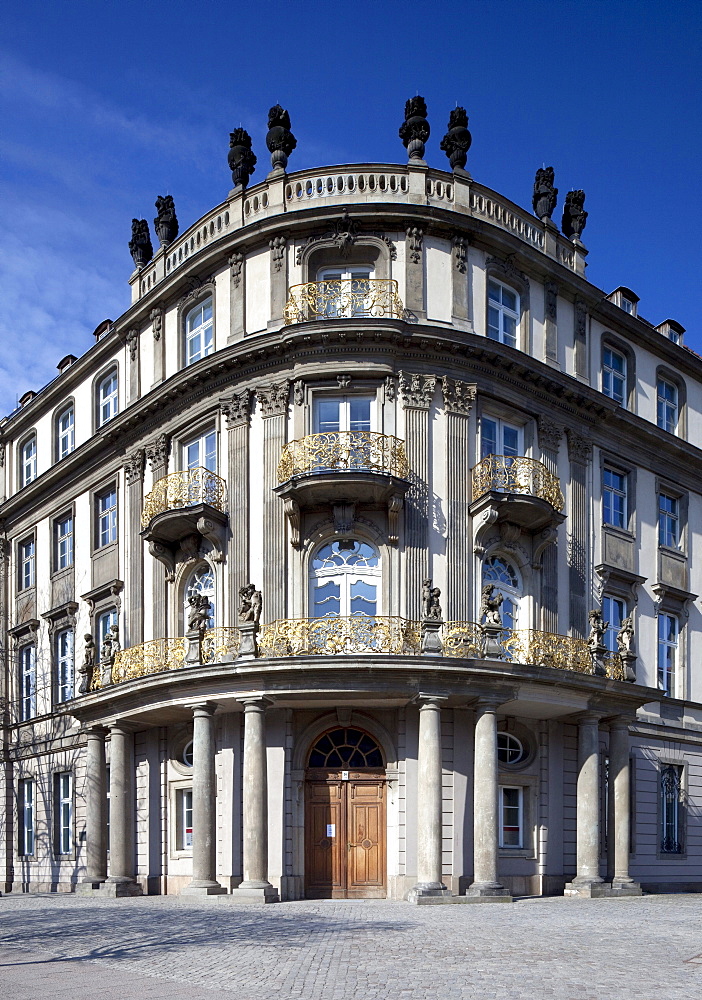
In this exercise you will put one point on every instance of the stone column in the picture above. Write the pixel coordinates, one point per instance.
(236, 410)
(157, 454)
(203, 881)
(485, 808)
(458, 399)
(133, 625)
(255, 886)
(619, 793)
(550, 434)
(429, 881)
(273, 400)
(121, 881)
(95, 809)
(579, 453)
(417, 393)
(587, 809)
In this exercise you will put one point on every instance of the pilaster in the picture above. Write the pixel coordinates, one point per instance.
(417, 392)
(157, 455)
(157, 325)
(415, 296)
(279, 279)
(133, 625)
(236, 410)
(237, 296)
(579, 453)
(458, 400)
(273, 400)
(550, 434)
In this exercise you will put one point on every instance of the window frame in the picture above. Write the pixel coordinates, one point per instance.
(176, 790)
(67, 658)
(26, 563)
(25, 477)
(670, 427)
(345, 577)
(501, 817)
(64, 814)
(98, 401)
(67, 407)
(666, 518)
(610, 636)
(609, 467)
(27, 680)
(199, 438)
(57, 539)
(25, 811)
(671, 377)
(668, 681)
(98, 514)
(665, 762)
(344, 399)
(610, 342)
(516, 315)
(187, 337)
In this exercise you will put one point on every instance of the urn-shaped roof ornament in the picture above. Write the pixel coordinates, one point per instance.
(140, 244)
(166, 222)
(457, 140)
(280, 140)
(415, 130)
(574, 215)
(242, 159)
(545, 194)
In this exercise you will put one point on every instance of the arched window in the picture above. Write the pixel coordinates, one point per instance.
(28, 461)
(345, 579)
(200, 582)
(346, 748)
(65, 433)
(107, 397)
(505, 578)
(199, 340)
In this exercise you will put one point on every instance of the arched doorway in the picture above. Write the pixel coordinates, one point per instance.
(345, 825)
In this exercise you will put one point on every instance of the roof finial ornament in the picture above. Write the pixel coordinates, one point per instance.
(280, 140)
(574, 215)
(242, 159)
(166, 222)
(415, 129)
(457, 140)
(140, 244)
(545, 194)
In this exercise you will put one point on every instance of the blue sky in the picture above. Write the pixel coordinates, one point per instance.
(107, 104)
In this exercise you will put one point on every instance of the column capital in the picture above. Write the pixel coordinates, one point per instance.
(122, 726)
(95, 731)
(201, 708)
(620, 723)
(588, 718)
(425, 700)
(256, 701)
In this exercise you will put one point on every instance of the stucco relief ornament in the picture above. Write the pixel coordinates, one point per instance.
(236, 264)
(457, 140)
(415, 237)
(134, 467)
(545, 194)
(140, 244)
(460, 253)
(85, 671)
(277, 247)
(166, 222)
(625, 636)
(415, 129)
(156, 317)
(574, 215)
(242, 159)
(280, 140)
(132, 338)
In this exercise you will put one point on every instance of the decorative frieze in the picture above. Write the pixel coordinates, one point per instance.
(236, 409)
(417, 391)
(458, 396)
(274, 398)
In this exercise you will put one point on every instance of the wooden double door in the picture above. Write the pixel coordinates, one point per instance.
(345, 835)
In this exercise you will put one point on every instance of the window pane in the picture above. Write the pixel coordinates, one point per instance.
(509, 299)
(327, 415)
(359, 414)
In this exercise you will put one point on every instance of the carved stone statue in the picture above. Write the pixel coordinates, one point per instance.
(251, 604)
(625, 636)
(280, 140)
(242, 159)
(426, 598)
(140, 244)
(415, 129)
(457, 140)
(86, 670)
(545, 194)
(598, 627)
(166, 222)
(198, 612)
(490, 606)
(574, 214)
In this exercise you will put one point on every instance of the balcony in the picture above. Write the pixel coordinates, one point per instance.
(343, 298)
(520, 490)
(183, 506)
(335, 636)
(343, 469)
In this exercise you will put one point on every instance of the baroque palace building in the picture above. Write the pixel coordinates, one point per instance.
(355, 559)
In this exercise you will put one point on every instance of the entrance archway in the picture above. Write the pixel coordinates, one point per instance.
(345, 823)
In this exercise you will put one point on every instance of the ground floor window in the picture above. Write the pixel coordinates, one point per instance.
(64, 812)
(511, 817)
(184, 819)
(26, 817)
(671, 809)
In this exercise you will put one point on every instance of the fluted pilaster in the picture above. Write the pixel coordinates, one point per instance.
(417, 392)
(458, 400)
(236, 410)
(579, 452)
(273, 400)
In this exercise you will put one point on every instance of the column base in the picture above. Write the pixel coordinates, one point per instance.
(256, 893)
(489, 892)
(89, 885)
(429, 893)
(119, 888)
(601, 890)
(201, 887)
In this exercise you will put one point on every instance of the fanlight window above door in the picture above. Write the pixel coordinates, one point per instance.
(346, 748)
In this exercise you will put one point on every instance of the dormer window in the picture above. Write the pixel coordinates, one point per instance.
(672, 330)
(625, 299)
(627, 305)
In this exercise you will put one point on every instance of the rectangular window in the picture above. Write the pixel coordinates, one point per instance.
(627, 305)
(667, 412)
(104, 621)
(499, 438)
(201, 452)
(26, 564)
(107, 398)
(332, 414)
(26, 817)
(614, 612)
(184, 819)
(613, 375)
(671, 809)
(198, 333)
(668, 521)
(28, 461)
(503, 313)
(64, 812)
(511, 817)
(66, 434)
(28, 682)
(106, 509)
(668, 642)
(614, 500)
(64, 664)
(63, 536)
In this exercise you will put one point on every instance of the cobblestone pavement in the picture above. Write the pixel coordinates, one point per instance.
(646, 948)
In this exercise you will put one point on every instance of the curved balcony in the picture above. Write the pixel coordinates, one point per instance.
(334, 636)
(520, 489)
(343, 469)
(182, 506)
(343, 298)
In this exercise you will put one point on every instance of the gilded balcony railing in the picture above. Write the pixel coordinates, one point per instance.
(506, 474)
(344, 451)
(184, 489)
(148, 658)
(343, 298)
(219, 642)
(331, 636)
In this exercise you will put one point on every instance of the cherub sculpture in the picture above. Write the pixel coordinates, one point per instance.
(625, 636)
(598, 627)
(198, 612)
(251, 604)
(490, 605)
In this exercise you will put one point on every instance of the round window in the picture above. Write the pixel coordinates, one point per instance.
(510, 750)
(187, 755)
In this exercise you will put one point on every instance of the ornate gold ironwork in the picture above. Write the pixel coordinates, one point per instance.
(331, 636)
(184, 489)
(343, 451)
(463, 639)
(343, 298)
(219, 642)
(516, 475)
(148, 658)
